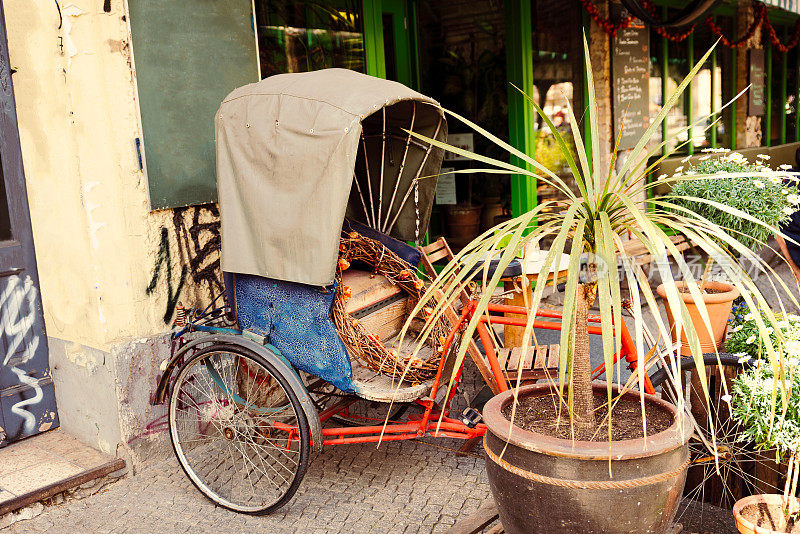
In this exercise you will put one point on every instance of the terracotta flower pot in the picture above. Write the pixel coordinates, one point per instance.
(772, 519)
(718, 306)
(550, 485)
(463, 223)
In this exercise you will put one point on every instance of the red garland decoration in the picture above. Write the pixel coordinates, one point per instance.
(760, 12)
(663, 32)
(774, 37)
(609, 27)
(760, 17)
(674, 37)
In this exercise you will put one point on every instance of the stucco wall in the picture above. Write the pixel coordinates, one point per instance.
(98, 246)
(111, 270)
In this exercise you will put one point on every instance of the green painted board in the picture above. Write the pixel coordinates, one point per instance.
(189, 54)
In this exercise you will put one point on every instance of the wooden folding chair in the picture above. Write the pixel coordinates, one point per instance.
(439, 250)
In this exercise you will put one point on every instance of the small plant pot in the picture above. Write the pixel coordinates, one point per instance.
(463, 223)
(544, 484)
(717, 304)
(763, 514)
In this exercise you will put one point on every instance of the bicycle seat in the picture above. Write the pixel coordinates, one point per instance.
(512, 270)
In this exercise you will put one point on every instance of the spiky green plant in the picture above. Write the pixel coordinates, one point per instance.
(591, 223)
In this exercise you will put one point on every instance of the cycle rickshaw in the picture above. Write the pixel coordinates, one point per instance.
(320, 187)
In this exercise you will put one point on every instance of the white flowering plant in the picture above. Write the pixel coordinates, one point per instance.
(724, 177)
(762, 402)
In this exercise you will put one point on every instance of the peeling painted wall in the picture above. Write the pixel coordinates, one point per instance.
(97, 244)
(111, 270)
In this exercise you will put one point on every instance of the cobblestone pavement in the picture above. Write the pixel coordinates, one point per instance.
(400, 487)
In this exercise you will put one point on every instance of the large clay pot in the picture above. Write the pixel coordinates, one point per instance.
(550, 485)
(463, 223)
(718, 306)
(774, 503)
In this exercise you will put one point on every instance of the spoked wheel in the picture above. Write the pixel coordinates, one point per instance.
(723, 469)
(238, 429)
(361, 412)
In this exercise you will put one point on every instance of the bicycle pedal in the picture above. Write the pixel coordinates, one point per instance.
(471, 417)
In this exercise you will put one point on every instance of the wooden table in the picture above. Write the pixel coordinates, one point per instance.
(531, 267)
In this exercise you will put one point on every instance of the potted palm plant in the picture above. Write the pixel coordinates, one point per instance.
(559, 460)
(763, 197)
(769, 416)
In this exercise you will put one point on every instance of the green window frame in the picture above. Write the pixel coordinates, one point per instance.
(787, 131)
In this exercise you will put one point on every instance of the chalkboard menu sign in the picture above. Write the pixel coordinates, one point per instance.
(630, 71)
(755, 100)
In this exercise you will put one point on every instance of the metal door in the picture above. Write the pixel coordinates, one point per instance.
(27, 397)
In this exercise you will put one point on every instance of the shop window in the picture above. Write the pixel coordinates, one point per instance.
(677, 69)
(790, 106)
(656, 80)
(464, 67)
(724, 90)
(305, 36)
(557, 78)
(777, 102)
(706, 91)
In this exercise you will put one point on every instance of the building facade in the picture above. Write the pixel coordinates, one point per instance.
(114, 110)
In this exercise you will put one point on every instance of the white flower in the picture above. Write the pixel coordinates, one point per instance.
(662, 176)
(769, 330)
(785, 167)
(775, 180)
(751, 339)
(737, 328)
(792, 348)
(793, 199)
(727, 398)
(743, 357)
(759, 184)
(763, 156)
(785, 191)
(690, 173)
(748, 317)
(679, 169)
(703, 158)
(687, 158)
(789, 211)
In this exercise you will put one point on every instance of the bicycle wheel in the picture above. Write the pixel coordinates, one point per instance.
(238, 429)
(734, 469)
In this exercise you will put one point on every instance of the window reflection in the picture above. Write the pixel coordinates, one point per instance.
(677, 69)
(704, 89)
(656, 70)
(557, 78)
(305, 36)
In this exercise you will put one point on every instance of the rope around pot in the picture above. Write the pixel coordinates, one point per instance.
(367, 347)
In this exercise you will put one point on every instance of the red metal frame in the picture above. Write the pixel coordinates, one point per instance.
(434, 421)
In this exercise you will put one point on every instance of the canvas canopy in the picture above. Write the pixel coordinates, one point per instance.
(288, 150)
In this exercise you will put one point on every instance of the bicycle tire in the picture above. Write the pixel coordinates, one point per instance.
(245, 431)
(735, 469)
(687, 363)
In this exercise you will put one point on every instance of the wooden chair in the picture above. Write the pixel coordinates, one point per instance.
(636, 250)
(439, 250)
(537, 364)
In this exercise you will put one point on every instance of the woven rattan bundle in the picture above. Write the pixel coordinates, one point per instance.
(366, 346)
